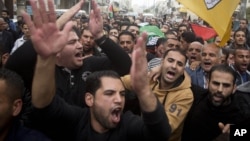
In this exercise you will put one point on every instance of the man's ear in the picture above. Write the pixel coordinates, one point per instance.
(89, 99)
(17, 107)
(5, 58)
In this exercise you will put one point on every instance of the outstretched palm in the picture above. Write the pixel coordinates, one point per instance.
(46, 37)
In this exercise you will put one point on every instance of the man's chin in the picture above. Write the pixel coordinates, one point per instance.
(217, 104)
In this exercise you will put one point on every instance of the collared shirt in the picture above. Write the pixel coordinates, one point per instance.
(205, 78)
(17, 44)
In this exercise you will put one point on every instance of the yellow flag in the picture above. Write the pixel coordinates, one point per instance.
(218, 13)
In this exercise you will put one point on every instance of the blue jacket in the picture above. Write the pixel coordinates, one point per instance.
(12, 25)
(197, 76)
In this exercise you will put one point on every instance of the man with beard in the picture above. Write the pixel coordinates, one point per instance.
(210, 56)
(88, 43)
(126, 41)
(71, 67)
(134, 29)
(215, 107)
(105, 93)
(173, 89)
(241, 62)
(21, 40)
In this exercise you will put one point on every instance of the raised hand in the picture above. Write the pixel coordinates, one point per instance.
(139, 70)
(69, 14)
(138, 74)
(95, 21)
(45, 36)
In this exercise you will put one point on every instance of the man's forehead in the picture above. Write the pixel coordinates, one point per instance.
(170, 40)
(195, 45)
(218, 75)
(133, 27)
(242, 51)
(176, 55)
(86, 31)
(106, 79)
(211, 48)
(125, 36)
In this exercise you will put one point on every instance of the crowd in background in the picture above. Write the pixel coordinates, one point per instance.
(200, 86)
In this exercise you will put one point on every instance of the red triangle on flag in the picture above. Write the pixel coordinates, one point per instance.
(204, 32)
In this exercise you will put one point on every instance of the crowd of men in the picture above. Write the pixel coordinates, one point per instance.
(100, 78)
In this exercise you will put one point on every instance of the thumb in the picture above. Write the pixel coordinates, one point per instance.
(221, 125)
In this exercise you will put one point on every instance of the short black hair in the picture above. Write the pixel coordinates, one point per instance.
(132, 25)
(238, 30)
(244, 19)
(227, 52)
(182, 25)
(77, 31)
(200, 40)
(93, 82)
(6, 11)
(124, 23)
(126, 33)
(161, 41)
(176, 50)
(239, 48)
(14, 83)
(188, 36)
(225, 69)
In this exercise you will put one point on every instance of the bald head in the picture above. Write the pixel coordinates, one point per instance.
(196, 43)
(194, 52)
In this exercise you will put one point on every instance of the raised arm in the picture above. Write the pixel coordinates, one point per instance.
(47, 41)
(139, 79)
(121, 61)
(155, 122)
(69, 14)
(23, 60)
